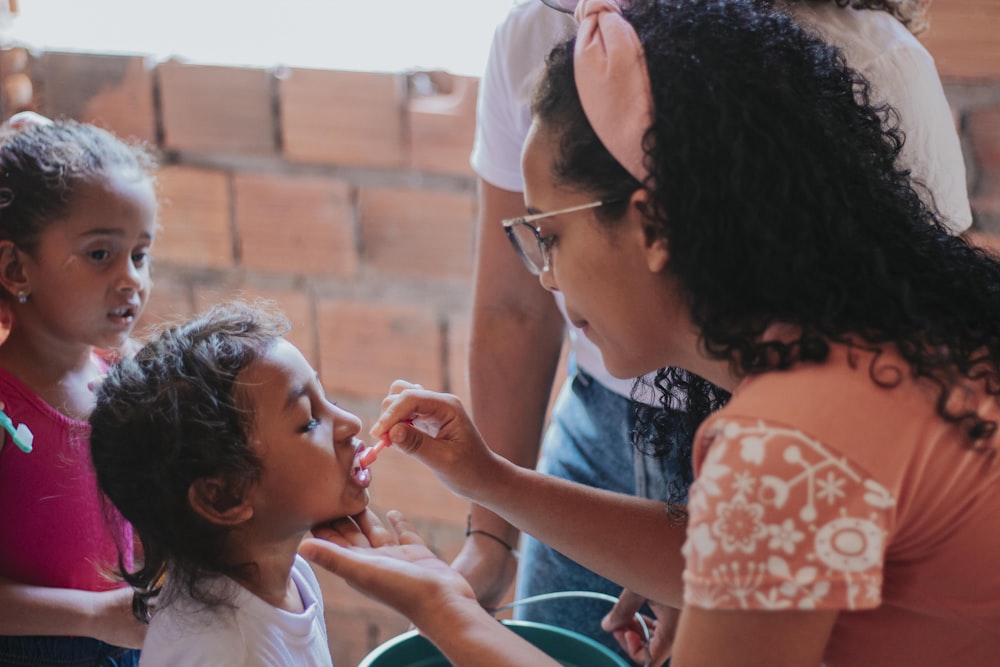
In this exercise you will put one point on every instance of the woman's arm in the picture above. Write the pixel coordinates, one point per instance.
(626, 539)
(708, 638)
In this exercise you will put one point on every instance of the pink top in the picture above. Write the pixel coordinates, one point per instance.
(817, 489)
(52, 526)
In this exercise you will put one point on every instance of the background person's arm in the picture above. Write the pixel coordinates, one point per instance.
(40, 610)
(516, 339)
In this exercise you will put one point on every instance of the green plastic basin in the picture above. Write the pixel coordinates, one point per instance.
(571, 649)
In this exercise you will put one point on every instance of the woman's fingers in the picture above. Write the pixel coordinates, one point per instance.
(373, 529)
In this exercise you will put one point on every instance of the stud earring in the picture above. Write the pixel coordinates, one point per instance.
(22, 297)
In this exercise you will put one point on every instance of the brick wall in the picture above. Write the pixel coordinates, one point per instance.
(348, 199)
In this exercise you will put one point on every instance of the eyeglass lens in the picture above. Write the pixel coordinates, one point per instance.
(568, 6)
(528, 245)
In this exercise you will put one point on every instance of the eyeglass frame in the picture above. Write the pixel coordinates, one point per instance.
(544, 242)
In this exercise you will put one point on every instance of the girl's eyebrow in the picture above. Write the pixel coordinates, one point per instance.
(111, 231)
(296, 393)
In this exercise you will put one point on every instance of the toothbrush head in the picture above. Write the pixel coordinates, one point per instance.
(23, 437)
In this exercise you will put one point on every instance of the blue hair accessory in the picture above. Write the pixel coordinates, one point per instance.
(22, 435)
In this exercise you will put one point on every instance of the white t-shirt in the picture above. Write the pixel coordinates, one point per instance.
(902, 73)
(248, 633)
(896, 64)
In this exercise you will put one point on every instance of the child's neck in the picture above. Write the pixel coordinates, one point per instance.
(61, 375)
(272, 579)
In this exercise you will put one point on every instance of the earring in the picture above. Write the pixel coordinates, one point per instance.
(22, 297)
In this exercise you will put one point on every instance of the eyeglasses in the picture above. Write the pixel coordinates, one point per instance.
(568, 6)
(532, 247)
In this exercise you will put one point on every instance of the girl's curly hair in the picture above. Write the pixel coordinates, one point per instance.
(775, 183)
(169, 416)
(42, 167)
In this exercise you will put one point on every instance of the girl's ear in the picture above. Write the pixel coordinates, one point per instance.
(214, 500)
(655, 246)
(12, 275)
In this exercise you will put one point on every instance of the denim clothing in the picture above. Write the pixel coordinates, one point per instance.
(588, 441)
(43, 651)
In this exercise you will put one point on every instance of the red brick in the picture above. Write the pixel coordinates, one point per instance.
(350, 118)
(194, 216)
(296, 224)
(418, 233)
(114, 92)
(16, 86)
(365, 346)
(353, 636)
(296, 305)
(983, 128)
(443, 126)
(170, 301)
(211, 108)
(964, 38)
(401, 482)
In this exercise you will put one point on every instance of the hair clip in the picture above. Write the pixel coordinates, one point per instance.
(22, 435)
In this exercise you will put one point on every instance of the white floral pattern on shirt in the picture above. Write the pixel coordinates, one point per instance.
(780, 521)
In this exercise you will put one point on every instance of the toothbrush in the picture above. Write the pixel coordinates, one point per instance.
(369, 455)
(22, 435)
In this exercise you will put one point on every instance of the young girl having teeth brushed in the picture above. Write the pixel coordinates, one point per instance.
(218, 444)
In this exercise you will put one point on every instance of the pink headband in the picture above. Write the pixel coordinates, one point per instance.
(612, 81)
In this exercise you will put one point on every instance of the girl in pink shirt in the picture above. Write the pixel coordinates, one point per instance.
(78, 216)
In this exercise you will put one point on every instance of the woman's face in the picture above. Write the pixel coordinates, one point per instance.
(613, 278)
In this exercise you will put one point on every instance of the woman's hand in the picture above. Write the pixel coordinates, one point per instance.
(435, 429)
(397, 569)
(621, 622)
(394, 567)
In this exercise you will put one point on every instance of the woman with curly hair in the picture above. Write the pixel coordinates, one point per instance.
(713, 189)
(518, 328)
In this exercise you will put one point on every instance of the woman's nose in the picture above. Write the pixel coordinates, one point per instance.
(548, 280)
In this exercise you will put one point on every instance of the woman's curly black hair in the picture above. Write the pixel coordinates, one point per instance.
(169, 416)
(775, 183)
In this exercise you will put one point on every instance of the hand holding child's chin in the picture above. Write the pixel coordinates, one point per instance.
(393, 566)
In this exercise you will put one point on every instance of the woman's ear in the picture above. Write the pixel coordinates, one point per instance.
(655, 246)
(215, 501)
(12, 274)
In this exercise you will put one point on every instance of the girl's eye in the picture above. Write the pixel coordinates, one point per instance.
(140, 258)
(99, 255)
(313, 423)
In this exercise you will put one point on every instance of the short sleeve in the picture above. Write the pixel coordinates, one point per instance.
(778, 520)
